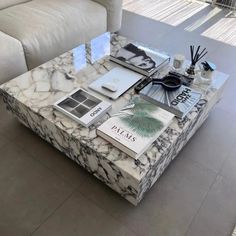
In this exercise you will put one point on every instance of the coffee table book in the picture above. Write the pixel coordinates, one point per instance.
(135, 127)
(179, 102)
(122, 78)
(143, 60)
(82, 107)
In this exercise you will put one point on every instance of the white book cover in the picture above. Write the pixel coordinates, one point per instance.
(143, 59)
(135, 127)
(122, 79)
(82, 107)
(179, 102)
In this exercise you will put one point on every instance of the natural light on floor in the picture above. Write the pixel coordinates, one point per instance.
(224, 30)
(197, 24)
(172, 12)
(175, 12)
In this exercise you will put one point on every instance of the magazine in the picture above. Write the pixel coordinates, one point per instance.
(135, 127)
(179, 102)
(143, 60)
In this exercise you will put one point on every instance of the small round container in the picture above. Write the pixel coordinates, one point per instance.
(207, 74)
(178, 61)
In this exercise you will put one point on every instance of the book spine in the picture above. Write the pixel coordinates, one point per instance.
(129, 66)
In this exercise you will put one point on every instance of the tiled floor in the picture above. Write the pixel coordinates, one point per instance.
(44, 193)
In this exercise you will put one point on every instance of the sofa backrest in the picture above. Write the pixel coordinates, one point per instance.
(9, 3)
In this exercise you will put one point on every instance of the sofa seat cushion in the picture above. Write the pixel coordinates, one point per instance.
(47, 29)
(9, 3)
(12, 58)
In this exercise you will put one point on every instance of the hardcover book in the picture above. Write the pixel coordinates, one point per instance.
(179, 102)
(122, 78)
(82, 107)
(143, 60)
(135, 127)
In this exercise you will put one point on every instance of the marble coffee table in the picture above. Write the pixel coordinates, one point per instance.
(30, 98)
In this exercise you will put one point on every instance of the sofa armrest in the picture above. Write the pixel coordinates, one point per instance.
(12, 58)
(114, 13)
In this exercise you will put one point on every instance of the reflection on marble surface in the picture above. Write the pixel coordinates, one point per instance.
(31, 97)
(100, 47)
(79, 57)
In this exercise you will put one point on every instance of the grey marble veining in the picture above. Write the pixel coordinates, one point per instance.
(30, 98)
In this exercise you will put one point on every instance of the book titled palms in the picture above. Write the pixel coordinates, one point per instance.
(143, 60)
(180, 102)
(135, 127)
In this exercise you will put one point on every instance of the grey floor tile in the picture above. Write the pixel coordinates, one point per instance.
(188, 38)
(12, 129)
(185, 170)
(9, 126)
(217, 215)
(3, 140)
(229, 167)
(224, 57)
(131, 233)
(213, 141)
(167, 209)
(29, 192)
(43, 152)
(79, 216)
(227, 102)
(132, 20)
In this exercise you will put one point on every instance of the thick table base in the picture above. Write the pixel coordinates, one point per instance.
(172, 141)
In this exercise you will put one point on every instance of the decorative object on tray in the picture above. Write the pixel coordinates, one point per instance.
(168, 82)
(179, 101)
(208, 70)
(114, 83)
(205, 74)
(143, 60)
(178, 61)
(82, 107)
(172, 77)
(135, 127)
(196, 56)
(186, 80)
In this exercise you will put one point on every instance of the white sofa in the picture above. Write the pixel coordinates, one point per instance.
(33, 32)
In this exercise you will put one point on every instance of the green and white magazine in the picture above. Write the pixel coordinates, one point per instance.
(135, 127)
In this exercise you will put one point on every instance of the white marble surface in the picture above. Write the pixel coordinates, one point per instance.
(30, 97)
